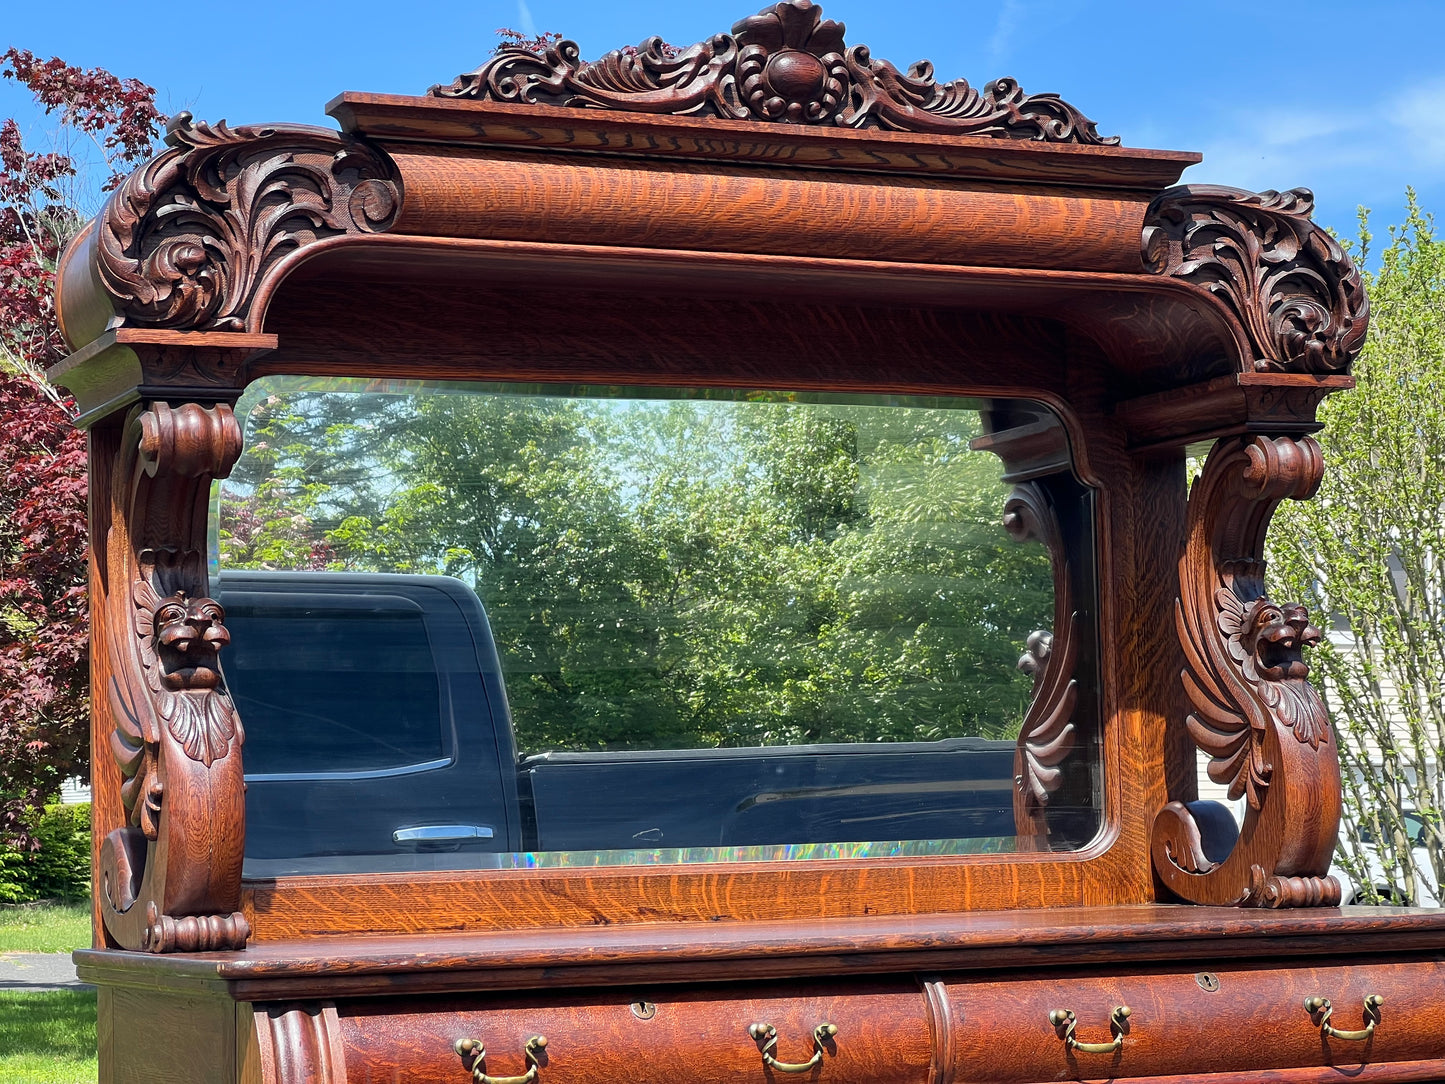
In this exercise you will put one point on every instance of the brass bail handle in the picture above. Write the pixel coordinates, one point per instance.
(474, 1049)
(1322, 1006)
(1065, 1018)
(768, 1036)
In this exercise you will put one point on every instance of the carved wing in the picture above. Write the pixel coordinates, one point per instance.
(1226, 723)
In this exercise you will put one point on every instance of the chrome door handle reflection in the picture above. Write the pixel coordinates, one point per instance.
(441, 833)
(768, 1036)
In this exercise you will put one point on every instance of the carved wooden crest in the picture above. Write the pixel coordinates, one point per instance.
(784, 64)
(1289, 283)
(188, 239)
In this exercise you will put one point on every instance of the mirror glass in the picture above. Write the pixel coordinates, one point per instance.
(510, 626)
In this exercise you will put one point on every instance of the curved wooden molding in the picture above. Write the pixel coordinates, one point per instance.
(189, 238)
(1290, 285)
(1048, 734)
(784, 64)
(1255, 712)
(170, 878)
(300, 1044)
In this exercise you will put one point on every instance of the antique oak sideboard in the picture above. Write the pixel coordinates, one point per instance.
(772, 216)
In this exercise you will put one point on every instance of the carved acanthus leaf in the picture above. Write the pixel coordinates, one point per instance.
(187, 240)
(1048, 734)
(1290, 285)
(784, 64)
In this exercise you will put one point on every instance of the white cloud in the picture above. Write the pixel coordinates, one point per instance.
(524, 19)
(1010, 13)
(1363, 150)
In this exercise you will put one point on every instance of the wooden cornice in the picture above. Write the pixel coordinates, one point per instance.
(395, 118)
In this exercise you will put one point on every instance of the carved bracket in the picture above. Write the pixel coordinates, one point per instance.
(1255, 712)
(189, 238)
(1048, 734)
(1295, 292)
(170, 878)
(784, 64)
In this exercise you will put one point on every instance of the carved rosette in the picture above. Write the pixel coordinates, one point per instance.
(1293, 289)
(1255, 713)
(784, 64)
(189, 238)
(170, 877)
(1048, 734)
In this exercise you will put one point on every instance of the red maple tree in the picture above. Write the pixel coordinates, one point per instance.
(44, 639)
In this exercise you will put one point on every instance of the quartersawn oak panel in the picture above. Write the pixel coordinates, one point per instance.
(699, 1036)
(1255, 1020)
(451, 192)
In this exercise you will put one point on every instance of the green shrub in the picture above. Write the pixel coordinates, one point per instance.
(60, 869)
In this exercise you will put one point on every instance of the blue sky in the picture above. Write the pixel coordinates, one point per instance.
(1345, 98)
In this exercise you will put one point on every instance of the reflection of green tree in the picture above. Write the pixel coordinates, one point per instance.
(673, 574)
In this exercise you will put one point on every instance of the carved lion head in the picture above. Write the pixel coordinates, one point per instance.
(189, 635)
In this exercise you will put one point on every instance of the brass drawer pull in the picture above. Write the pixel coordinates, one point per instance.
(768, 1036)
(1322, 1006)
(473, 1048)
(1064, 1018)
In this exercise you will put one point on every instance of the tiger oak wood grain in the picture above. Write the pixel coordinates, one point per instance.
(517, 196)
(395, 118)
(1254, 1020)
(455, 239)
(699, 1035)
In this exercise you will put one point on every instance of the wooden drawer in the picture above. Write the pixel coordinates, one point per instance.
(1227, 1021)
(643, 1036)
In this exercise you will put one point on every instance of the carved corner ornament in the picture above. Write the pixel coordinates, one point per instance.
(1256, 714)
(1048, 734)
(1292, 288)
(188, 241)
(785, 64)
(170, 876)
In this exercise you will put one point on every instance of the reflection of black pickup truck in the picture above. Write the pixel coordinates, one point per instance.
(378, 737)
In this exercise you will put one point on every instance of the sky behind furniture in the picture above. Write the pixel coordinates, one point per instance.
(1344, 97)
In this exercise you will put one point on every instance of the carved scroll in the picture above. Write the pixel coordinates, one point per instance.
(170, 878)
(1290, 285)
(1255, 713)
(188, 239)
(1048, 734)
(784, 64)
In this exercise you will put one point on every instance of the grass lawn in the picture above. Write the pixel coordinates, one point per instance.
(47, 1037)
(58, 927)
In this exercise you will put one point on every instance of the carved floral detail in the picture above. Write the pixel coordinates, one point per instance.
(1292, 287)
(187, 240)
(784, 64)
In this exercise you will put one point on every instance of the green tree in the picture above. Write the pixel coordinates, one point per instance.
(673, 574)
(1368, 556)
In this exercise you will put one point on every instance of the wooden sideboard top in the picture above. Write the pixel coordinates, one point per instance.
(676, 952)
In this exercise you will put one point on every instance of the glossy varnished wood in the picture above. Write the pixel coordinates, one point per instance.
(650, 1036)
(513, 196)
(1226, 1018)
(472, 236)
(680, 952)
(391, 118)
